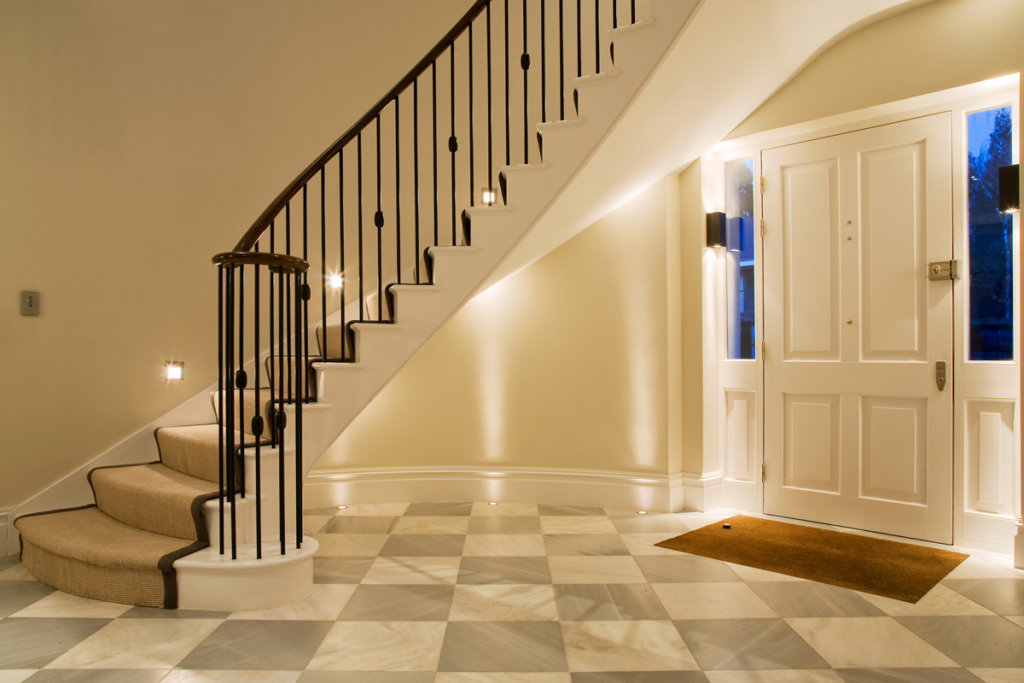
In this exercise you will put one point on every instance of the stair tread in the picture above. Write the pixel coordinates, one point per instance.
(195, 449)
(153, 497)
(90, 536)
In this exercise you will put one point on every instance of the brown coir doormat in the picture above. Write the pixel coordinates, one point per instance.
(893, 570)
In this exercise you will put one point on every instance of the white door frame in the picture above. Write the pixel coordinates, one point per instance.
(744, 379)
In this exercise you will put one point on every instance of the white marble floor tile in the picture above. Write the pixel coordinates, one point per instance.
(431, 525)
(503, 545)
(350, 545)
(16, 573)
(324, 604)
(380, 646)
(625, 646)
(218, 676)
(1017, 620)
(868, 643)
(374, 510)
(775, 676)
(413, 570)
(613, 569)
(577, 525)
(503, 677)
(503, 603)
(312, 524)
(137, 644)
(15, 675)
(504, 510)
(977, 568)
(643, 544)
(712, 601)
(999, 675)
(58, 605)
(754, 574)
(938, 602)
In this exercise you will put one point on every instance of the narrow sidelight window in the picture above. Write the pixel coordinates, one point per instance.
(990, 235)
(739, 210)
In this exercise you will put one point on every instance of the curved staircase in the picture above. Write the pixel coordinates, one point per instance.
(173, 533)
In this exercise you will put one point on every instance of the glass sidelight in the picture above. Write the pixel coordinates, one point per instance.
(739, 210)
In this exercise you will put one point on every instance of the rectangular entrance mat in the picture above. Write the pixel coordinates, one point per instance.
(900, 571)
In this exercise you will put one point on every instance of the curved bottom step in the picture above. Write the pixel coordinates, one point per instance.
(208, 580)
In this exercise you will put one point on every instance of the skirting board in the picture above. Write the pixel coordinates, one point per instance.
(654, 492)
(702, 492)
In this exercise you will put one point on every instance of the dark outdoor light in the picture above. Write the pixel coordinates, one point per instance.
(1009, 189)
(717, 233)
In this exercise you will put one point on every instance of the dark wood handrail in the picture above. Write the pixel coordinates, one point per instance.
(253, 234)
(261, 258)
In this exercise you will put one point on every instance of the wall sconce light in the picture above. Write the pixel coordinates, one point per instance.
(488, 196)
(334, 281)
(174, 369)
(1009, 189)
(717, 229)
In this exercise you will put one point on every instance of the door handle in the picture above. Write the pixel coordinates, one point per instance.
(940, 374)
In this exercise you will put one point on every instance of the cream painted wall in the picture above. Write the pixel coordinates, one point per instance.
(137, 139)
(940, 45)
(691, 257)
(563, 365)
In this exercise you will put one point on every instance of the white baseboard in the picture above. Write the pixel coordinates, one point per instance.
(6, 529)
(635, 491)
(702, 492)
(987, 532)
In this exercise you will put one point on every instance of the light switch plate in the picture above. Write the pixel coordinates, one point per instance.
(29, 302)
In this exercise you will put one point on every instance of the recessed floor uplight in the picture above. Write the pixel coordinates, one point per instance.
(343, 507)
(641, 512)
(174, 370)
(492, 503)
(334, 282)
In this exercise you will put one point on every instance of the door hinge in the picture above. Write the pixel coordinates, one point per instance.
(762, 472)
(762, 184)
(762, 350)
(762, 227)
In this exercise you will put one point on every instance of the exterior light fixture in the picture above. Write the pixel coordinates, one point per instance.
(716, 229)
(1009, 189)
(489, 196)
(334, 281)
(174, 370)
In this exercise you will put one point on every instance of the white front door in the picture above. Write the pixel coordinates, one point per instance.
(857, 431)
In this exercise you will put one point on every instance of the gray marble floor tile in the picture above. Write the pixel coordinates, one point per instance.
(423, 545)
(504, 525)
(981, 642)
(252, 645)
(97, 676)
(359, 525)
(340, 569)
(439, 510)
(399, 603)
(319, 512)
(748, 644)
(908, 676)
(650, 524)
(641, 677)
(584, 544)
(17, 595)
(34, 643)
(569, 511)
(366, 677)
(499, 570)
(503, 646)
(811, 599)
(684, 568)
(608, 602)
(7, 561)
(1002, 596)
(157, 613)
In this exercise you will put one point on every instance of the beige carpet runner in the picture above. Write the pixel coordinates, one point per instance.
(123, 548)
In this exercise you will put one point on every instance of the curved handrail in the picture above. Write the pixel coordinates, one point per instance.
(258, 258)
(263, 222)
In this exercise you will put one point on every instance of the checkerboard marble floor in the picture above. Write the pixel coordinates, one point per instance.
(521, 593)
